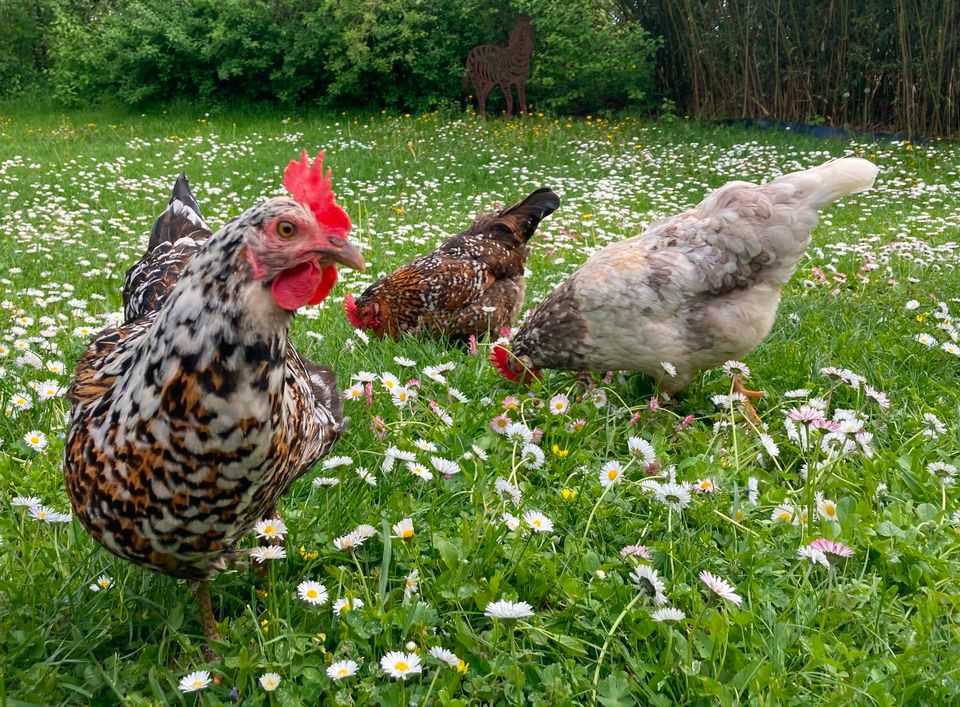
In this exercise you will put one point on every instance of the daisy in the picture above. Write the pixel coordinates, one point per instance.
(667, 613)
(348, 542)
(831, 547)
(364, 377)
(926, 340)
(270, 528)
(342, 669)
(480, 452)
(797, 393)
(411, 583)
(649, 583)
(878, 396)
(500, 423)
(827, 509)
(673, 495)
(25, 501)
(816, 557)
(403, 529)
(312, 592)
(270, 681)
(538, 521)
(505, 609)
(736, 368)
(642, 449)
(404, 361)
(783, 513)
(445, 656)
(325, 481)
(425, 445)
(268, 552)
(610, 473)
(400, 665)
(599, 398)
(20, 402)
(753, 492)
(366, 476)
(341, 605)
(390, 382)
(511, 521)
(102, 584)
(45, 514)
(911, 305)
(445, 466)
(640, 551)
(56, 367)
(577, 425)
(670, 369)
(519, 433)
(36, 440)
(457, 394)
(507, 490)
(50, 389)
(364, 531)
(402, 395)
(195, 681)
(705, 486)
(418, 469)
(354, 392)
(559, 404)
(531, 456)
(769, 445)
(950, 348)
(721, 587)
(943, 471)
(334, 462)
(510, 403)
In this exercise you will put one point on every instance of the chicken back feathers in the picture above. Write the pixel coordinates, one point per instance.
(190, 419)
(471, 284)
(694, 291)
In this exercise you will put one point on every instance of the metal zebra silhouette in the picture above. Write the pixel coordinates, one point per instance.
(490, 65)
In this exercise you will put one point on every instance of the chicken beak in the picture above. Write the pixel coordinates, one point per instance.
(344, 252)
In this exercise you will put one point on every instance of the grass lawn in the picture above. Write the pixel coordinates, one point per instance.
(876, 298)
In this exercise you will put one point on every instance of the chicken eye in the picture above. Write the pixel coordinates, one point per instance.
(285, 229)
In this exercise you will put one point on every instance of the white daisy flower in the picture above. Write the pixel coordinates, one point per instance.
(270, 681)
(667, 613)
(195, 681)
(445, 656)
(263, 553)
(505, 609)
(721, 587)
(403, 529)
(270, 528)
(343, 604)
(312, 592)
(611, 473)
(538, 522)
(342, 669)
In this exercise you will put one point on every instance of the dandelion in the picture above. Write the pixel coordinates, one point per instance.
(669, 368)
(673, 495)
(400, 665)
(343, 604)
(36, 440)
(649, 583)
(271, 528)
(312, 592)
(445, 656)
(568, 494)
(195, 681)
(667, 613)
(559, 404)
(538, 522)
(342, 669)
(403, 529)
(610, 473)
(102, 584)
(721, 587)
(270, 681)
(505, 609)
(411, 583)
(263, 553)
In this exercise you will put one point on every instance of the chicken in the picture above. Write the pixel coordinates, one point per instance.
(692, 291)
(471, 284)
(190, 419)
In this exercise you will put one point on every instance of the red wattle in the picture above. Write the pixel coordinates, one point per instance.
(296, 286)
(327, 282)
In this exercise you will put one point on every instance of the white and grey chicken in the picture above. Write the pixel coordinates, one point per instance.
(693, 291)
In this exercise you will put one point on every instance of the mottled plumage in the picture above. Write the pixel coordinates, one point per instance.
(694, 291)
(190, 419)
(471, 284)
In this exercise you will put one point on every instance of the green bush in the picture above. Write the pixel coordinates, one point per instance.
(22, 44)
(399, 54)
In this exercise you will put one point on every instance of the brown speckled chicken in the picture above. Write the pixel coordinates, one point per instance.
(192, 418)
(692, 291)
(471, 284)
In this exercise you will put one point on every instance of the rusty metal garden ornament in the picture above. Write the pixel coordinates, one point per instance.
(490, 65)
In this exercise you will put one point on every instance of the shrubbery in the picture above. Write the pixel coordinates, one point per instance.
(401, 54)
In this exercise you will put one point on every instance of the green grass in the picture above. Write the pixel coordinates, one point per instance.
(78, 193)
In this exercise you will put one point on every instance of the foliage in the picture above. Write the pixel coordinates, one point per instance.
(78, 193)
(22, 44)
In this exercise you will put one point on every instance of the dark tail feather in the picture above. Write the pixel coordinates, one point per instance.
(180, 218)
(528, 214)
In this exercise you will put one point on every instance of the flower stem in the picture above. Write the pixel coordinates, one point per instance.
(606, 643)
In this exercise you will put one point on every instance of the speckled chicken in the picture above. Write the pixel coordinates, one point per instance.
(471, 284)
(692, 291)
(190, 419)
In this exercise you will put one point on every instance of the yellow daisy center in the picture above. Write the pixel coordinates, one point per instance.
(312, 593)
(613, 474)
(401, 666)
(343, 672)
(407, 533)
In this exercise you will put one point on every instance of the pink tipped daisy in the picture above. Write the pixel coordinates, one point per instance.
(721, 587)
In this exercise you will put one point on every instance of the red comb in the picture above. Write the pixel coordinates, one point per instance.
(350, 307)
(311, 187)
(500, 358)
